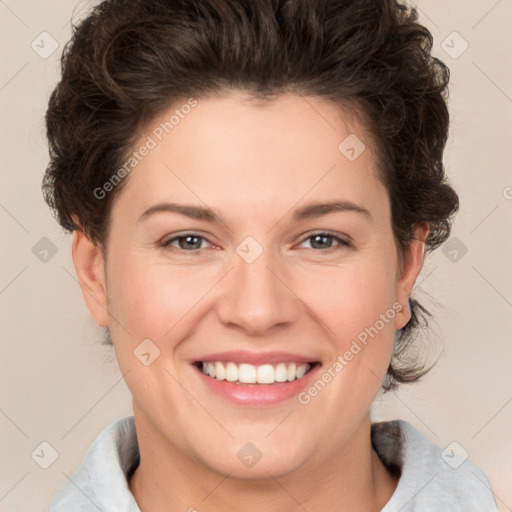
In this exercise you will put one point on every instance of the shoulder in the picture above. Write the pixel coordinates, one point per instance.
(100, 482)
(431, 478)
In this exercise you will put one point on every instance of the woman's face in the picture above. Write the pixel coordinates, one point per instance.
(242, 278)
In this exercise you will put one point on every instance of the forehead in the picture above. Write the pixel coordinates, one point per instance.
(229, 150)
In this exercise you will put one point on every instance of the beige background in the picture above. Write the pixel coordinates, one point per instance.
(59, 385)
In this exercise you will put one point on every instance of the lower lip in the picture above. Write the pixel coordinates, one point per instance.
(258, 395)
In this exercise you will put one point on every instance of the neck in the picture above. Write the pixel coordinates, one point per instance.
(353, 478)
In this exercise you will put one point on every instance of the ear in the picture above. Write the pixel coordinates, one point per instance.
(413, 261)
(89, 267)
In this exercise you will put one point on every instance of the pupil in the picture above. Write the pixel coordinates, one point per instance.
(321, 237)
(187, 241)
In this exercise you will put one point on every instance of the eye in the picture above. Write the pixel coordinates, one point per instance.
(191, 242)
(187, 242)
(323, 241)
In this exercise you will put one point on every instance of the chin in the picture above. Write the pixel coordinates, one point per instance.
(253, 461)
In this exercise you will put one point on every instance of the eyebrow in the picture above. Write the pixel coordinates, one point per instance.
(309, 211)
(313, 210)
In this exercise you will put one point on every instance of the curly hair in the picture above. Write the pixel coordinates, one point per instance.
(127, 61)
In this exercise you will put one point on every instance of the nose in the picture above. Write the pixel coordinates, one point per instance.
(256, 296)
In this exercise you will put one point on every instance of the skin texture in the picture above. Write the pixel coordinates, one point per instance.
(253, 165)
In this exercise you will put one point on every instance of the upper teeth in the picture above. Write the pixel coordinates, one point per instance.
(249, 374)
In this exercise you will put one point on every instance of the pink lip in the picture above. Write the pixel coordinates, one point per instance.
(256, 358)
(257, 395)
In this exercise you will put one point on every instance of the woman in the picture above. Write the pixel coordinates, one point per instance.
(252, 188)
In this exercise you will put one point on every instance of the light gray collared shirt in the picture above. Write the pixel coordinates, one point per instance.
(431, 480)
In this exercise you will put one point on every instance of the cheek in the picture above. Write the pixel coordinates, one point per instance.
(151, 298)
(150, 302)
(355, 304)
(352, 298)
(160, 302)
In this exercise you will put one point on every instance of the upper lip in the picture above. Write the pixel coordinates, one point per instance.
(256, 358)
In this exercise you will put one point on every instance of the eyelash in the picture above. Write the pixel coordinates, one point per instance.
(340, 241)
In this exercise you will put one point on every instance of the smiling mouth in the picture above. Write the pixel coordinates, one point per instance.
(244, 373)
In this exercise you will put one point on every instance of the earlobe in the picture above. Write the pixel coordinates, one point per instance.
(89, 266)
(413, 262)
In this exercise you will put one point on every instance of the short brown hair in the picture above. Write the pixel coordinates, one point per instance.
(130, 60)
